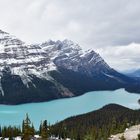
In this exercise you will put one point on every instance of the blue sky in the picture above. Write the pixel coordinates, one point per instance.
(110, 27)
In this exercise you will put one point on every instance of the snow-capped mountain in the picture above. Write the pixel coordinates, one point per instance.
(37, 58)
(51, 70)
(69, 55)
(20, 56)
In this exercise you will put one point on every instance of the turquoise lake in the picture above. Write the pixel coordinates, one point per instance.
(60, 109)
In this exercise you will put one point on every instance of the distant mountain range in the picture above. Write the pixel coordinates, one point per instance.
(133, 73)
(52, 70)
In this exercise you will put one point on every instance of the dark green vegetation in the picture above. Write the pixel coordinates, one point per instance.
(10, 132)
(27, 131)
(80, 83)
(97, 125)
(138, 136)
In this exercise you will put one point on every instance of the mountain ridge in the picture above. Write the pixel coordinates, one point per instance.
(134, 73)
(100, 124)
(52, 70)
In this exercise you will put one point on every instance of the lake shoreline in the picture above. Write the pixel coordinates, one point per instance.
(58, 110)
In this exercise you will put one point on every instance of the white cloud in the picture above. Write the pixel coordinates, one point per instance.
(122, 57)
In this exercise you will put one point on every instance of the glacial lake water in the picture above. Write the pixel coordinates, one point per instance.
(60, 109)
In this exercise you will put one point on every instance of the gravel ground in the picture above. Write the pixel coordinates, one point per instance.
(129, 134)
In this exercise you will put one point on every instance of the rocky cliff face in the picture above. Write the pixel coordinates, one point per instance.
(51, 70)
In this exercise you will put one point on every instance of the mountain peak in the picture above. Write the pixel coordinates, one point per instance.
(68, 42)
(66, 53)
(50, 70)
(2, 32)
(7, 40)
(39, 59)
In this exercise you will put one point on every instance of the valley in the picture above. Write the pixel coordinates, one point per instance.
(55, 80)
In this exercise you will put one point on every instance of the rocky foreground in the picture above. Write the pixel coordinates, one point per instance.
(129, 134)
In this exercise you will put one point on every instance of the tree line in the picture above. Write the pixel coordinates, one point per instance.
(27, 131)
(97, 125)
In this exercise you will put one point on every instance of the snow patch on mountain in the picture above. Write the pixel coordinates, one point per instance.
(38, 59)
(1, 89)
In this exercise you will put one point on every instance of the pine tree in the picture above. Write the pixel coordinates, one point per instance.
(113, 127)
(23, 129)
(32, 130)
(138, 136)
(43, 130)
(27, 129)
(0, 132)
(40, 128)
